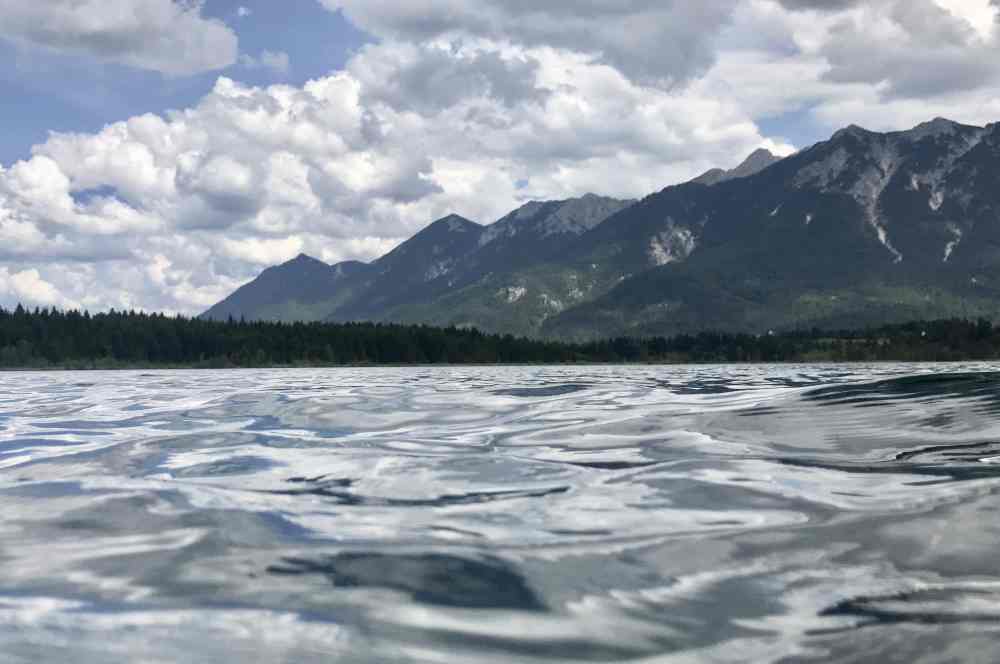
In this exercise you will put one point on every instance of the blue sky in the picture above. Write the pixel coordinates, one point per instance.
(157, 154)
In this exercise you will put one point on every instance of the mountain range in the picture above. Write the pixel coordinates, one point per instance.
(865, 228)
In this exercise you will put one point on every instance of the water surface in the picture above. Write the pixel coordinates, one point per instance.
(527, 514)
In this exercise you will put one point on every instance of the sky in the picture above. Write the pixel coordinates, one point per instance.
(157, 154)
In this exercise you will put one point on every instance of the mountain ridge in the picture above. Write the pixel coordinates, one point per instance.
(865, 227)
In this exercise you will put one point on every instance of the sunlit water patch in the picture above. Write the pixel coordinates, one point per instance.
(531, 514)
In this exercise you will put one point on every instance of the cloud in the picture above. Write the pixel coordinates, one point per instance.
(243, 12)
(276, 61)
(28, 288)
(168, 36)
(429, 77)
(263, 252)
(819, 5)
(663, 41)
(924, 50)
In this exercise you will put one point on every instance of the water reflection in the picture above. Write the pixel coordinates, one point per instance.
(436, 579)
(531, 514)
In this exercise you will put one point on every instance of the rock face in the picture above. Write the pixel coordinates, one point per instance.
(864, 228)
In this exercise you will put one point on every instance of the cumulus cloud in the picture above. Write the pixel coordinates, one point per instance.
(168, 36)
(819, 5)
(428, 77)
(667, 41)
(28, 288)
(924, 49)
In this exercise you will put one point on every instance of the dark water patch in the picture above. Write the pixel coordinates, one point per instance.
(924, 607)
(939, 421)
(952, 471)
(794, 382)
(26, 443)
(936, 387)
(434, 578)
(547, 391)
(324, 480)
(335, 490)
(702, 387)
(947, 453)
(81, 426)
(760, 411)
(581, 533)
(44, 490)
(239, 465)
(83, 524)
(612, 465)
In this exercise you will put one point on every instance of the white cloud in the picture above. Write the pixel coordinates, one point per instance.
(169, 36)
(668, 41)
(933, 58)
(27, 287)
(243, 12)
(982, 16)
(263, 252)
(924, 50)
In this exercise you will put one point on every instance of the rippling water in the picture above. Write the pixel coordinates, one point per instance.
(532, 514)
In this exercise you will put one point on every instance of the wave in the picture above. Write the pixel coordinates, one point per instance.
(501, 514)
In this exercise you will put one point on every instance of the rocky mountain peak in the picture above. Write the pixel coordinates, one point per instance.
(938, 124)
(758, 160)
(304, 259)
(578, 215)
(540, 219)
(852, 131)
(760, 155)
(940, 128)
(454, 223)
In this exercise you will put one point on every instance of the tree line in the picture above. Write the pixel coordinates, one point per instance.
(51, 338)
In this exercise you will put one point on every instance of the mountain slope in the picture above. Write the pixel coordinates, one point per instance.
(489, 285)
(539, 230)
(864, 228)
(303, 289)
(417, 269)
(307, 289)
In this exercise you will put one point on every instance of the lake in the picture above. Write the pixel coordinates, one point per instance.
(502, 514)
